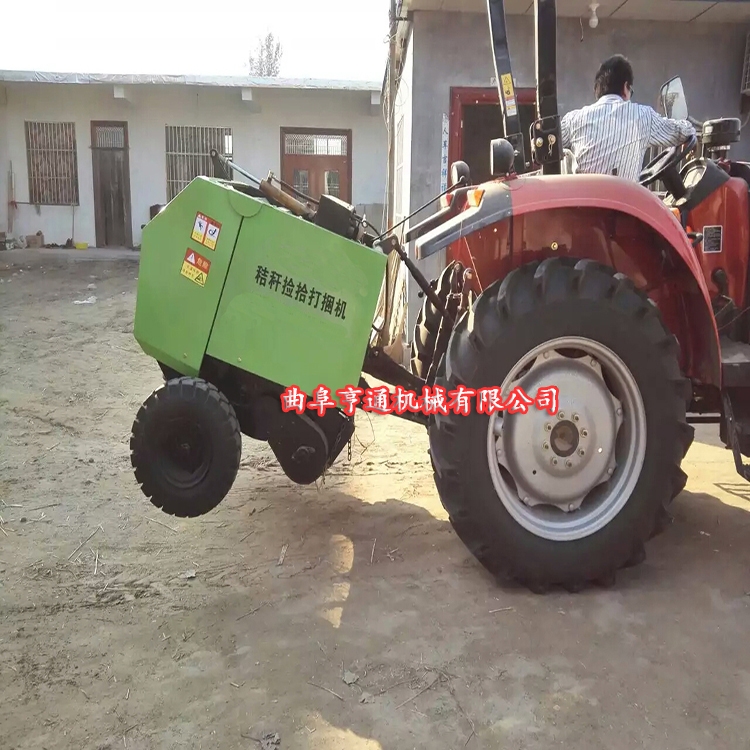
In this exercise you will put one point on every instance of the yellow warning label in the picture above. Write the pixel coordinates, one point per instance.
(212, 234)
(199, 228)
(194, 274)
(507, 81)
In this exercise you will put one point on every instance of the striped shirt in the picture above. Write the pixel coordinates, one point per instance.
(614, 134)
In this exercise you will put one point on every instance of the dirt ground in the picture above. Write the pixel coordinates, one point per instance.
(341, 616)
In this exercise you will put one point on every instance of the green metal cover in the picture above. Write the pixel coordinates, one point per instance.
(174, 315)
(298, 304)
(282, 298)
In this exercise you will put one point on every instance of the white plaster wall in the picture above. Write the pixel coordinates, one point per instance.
(256, 140)
(3, 160)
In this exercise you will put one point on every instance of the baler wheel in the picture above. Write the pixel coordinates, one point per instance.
(537, 497)
(186, 447)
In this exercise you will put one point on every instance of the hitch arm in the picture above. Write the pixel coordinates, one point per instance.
(390, 244)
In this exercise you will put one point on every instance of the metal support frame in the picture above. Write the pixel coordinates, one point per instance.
(546, 136)
(505, 83)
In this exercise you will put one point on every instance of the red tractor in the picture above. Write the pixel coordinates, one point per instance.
(630, 303)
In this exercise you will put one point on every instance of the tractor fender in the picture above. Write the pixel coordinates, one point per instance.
(538, 194)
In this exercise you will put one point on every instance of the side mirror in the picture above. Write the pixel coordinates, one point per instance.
(673, 103)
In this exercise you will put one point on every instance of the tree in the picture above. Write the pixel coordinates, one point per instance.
(266, 62)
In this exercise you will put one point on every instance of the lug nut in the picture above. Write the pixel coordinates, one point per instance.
(561, 415)
(569, 464)
(548, 427)
(584, 433)
(545, 446)
(619, 412)
(575, 417)
(610, 471)
(554, 462)
(581, 452)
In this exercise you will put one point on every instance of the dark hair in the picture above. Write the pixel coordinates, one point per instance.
(612, 77)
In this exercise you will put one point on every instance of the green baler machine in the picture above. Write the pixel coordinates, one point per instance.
(255, 287)
(244, 292)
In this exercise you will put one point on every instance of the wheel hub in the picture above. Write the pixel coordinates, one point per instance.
(564, 438)
(546, 466)
(185, 453)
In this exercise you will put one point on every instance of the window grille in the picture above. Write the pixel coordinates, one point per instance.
(52, 162)
(304, 144)
(189, 154)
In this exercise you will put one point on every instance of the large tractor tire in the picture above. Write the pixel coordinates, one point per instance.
(186, 447)
(428, 325)
(563, 499)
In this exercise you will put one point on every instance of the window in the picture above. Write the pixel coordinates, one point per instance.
(303, 144)
(189, 154)
(53, 163)
(333, 184)
(302, 181)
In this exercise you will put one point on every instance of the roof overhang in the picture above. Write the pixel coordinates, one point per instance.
(244, 82)
(679, 11)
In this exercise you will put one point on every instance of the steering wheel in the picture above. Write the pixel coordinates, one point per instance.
(664, 167)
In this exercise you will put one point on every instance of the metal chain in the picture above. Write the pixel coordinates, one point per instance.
(349, 450)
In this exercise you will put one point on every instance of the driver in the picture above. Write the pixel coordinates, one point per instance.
(612, 135)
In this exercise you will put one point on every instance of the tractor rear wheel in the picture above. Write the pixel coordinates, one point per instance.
(570, 497)
(186, 447)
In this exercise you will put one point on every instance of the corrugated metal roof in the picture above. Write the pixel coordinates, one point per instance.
(137, 79)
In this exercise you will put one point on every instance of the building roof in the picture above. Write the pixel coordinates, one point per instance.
(676, 11)
(128, 79)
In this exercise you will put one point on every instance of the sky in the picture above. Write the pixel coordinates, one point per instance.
(338, 39)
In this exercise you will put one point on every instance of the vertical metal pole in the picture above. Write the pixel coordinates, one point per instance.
(391, 112)
(545, 43)
(505, 83)
(391, 196)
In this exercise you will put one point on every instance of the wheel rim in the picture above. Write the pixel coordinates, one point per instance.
(566, 476)
(185, 452)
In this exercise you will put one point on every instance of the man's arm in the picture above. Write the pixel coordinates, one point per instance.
(665, 132)
(565, 130)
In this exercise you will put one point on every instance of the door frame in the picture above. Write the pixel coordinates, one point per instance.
(462, 96)
(98, 215)
(323, 131)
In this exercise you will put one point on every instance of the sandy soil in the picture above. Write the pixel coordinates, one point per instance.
(123, 627)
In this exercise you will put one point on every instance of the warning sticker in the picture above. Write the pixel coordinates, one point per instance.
(199, 228)
(510, 107)
(195, 267)
(206, 231)
(507, 81)
(212, 234)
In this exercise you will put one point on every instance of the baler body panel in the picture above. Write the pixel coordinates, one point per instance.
(275, 295)
(298, 304)
(175, 312)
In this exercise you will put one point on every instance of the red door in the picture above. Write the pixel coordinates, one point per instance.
(317, 162)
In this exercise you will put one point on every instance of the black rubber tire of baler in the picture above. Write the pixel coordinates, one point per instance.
(203, 403)
(428, 325)
(533, 304)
